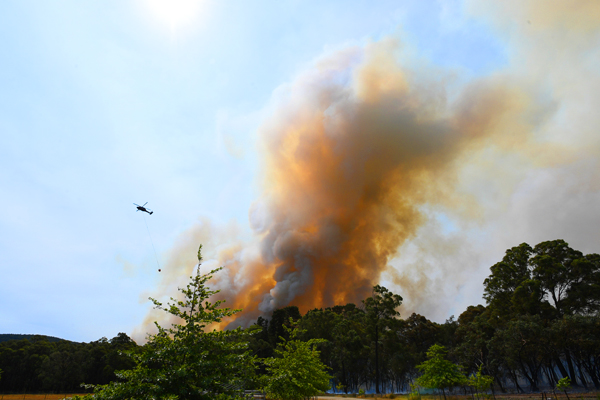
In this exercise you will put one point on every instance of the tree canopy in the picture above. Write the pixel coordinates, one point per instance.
(297, 372)
(188, 360)
(439, 373)
(540, 325)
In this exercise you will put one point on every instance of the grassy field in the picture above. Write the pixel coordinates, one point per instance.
(529, 396)
(50, 396)
(532, 396)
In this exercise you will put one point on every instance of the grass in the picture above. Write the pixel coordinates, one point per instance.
(527, 396)
(532, 396)
(49, 396)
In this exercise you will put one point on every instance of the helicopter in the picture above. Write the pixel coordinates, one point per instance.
(142, 208)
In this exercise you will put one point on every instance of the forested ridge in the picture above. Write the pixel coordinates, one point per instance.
(37, 364)
(541, 323)
(4, 337)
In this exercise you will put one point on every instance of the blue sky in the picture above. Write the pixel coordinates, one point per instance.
(104, 104)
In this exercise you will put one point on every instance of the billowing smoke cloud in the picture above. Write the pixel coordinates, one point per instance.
(374, 170)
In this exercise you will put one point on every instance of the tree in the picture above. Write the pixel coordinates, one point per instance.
(507, 277)
(551, 281)
(474, 335)
(522, 346)
(480, 382)
(280, 317)
(570, 279)
(298, 372)
(580, 335)
(350, 352)
(564, 384)
(380, 308)
(187, 361)
(439, 373)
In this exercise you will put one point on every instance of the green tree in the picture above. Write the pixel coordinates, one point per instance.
(509, 276)
(380, 308)
(523, 345)
(551, 281)
(187, 361)
(350, 350)
(580, 335)
(480, 382)
(279, 319)
(298, 371)
(439, 373)
(564, 384)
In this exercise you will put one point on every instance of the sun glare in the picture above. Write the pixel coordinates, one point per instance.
(174, 13)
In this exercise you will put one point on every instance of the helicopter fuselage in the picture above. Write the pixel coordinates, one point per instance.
(142, 208)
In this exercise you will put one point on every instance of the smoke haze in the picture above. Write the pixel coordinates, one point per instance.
(377, 169)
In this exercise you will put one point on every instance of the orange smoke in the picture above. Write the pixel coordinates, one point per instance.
(355, 155)
(350, 154)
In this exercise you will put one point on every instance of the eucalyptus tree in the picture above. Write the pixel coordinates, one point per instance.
(551, 281)
(380, 309)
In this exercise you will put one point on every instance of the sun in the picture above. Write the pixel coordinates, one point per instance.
(174, 13)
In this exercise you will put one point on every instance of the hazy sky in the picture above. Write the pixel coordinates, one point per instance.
(107, 103)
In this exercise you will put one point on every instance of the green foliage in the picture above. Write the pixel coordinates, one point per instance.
(542, 314)
(37, 363)
(550, 279)
(297, 372)
(5, 337)
(186, 361)
(480, 382)
(414, 392)
(278, 322)
(381, 310)
(361, 392)
(439, 373)
(564, 384)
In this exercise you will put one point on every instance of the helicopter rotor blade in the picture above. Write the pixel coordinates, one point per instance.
(145, 204)
(135, 204)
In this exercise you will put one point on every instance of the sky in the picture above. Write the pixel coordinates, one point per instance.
(314, 149)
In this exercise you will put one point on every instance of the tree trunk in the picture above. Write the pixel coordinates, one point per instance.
(499, 382)
(377, 357)
(515, 379)
(532, 383)
(588, 365)
(571, 368)
(581, 374)
(561, 367)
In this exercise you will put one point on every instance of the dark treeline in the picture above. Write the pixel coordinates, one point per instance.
(541, 323)
(9, 336)
(42, 364)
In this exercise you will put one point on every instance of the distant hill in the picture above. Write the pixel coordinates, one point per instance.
(5, 337)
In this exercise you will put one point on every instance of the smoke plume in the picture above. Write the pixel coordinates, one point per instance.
(376, 168)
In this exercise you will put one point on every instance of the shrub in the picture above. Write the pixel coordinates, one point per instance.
(298, 372)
